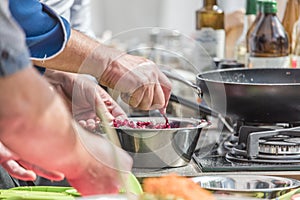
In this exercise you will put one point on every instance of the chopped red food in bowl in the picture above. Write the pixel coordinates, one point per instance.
(117, 123)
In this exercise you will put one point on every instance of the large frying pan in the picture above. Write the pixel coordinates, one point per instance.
(253, 95)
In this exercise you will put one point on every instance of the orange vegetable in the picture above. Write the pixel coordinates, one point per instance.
(176, 185)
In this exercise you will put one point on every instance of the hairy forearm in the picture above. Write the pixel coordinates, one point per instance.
(34, 123)
(82, 54)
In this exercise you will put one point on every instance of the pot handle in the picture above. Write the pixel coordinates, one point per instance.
(181, 79)
(200, 94)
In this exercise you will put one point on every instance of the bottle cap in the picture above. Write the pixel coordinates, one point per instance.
(268, 6)
(259, 5)
(251, 7)
(209, 2)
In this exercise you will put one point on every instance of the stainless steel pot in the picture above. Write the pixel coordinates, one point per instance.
(159, 148)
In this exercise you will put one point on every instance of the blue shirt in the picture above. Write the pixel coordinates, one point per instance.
(46, 32)
(14, 55)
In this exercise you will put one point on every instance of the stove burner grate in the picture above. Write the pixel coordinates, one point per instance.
(236, 159)
(266, 145)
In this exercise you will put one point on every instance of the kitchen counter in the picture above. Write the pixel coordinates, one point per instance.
(193, 170)
(189, 170)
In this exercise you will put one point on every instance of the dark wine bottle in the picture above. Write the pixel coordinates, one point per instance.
(268, 42)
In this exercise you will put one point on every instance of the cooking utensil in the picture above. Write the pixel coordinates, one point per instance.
(267, 187)
(203, 108)
(263, 95)
(159, 148)
(253, 95)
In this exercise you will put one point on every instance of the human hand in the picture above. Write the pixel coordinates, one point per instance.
(23, 170)
(82, 94)
(139, 80)
(87, 97)
(143, 85)
(103, 169)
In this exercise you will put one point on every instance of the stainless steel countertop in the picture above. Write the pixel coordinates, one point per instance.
(192, 170)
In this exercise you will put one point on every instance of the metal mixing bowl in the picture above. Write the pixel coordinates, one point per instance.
(159, 148)
(243, 185)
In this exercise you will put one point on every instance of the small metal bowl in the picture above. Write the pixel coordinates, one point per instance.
(239, 185)
(160, 148)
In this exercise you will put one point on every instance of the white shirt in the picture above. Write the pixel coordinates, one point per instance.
(77, 12)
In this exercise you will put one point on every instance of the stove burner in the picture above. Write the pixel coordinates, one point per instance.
(279, 146)
(266, 145)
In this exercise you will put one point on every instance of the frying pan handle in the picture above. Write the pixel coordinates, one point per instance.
(177, 77)
(203, 108)
(193, 105)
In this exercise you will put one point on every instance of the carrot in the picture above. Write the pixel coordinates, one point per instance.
(178, 186)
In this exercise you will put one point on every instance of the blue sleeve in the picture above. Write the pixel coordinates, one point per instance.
(46, 32)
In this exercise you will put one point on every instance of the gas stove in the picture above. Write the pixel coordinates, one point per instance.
(254, 147)
(274, 150)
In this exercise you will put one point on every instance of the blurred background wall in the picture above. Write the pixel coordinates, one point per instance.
(122, 15)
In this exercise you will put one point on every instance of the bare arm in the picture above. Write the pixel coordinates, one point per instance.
(80, 50)
(144, 84)
(36, 126)
(29, 113)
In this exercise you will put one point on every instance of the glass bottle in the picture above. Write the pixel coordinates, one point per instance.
(251, 29)
(210, 31)
(241, 44)
(256, 20)
(268, 42)
(291, 15)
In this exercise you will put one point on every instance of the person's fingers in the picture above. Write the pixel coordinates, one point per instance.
(166, 86)
(114, 109)
(100, 106)
(159, 99)
(17, 171)
(91, 124)
(146, 98)
(142, 98)
(5, 154)
(51, 175)
(82, 123)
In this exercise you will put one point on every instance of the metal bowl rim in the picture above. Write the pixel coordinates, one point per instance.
(202, 124)
(295, 183)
